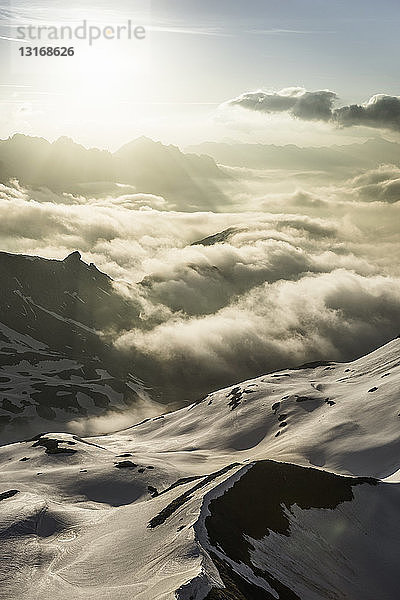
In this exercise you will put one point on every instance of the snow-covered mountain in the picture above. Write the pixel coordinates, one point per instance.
(286, 486)
(55, 365)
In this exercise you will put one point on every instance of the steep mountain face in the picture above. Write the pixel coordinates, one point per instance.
(139, 159)
(309, 534)
(80, 292)
(190, 181)
(286, 486)
(55, 360)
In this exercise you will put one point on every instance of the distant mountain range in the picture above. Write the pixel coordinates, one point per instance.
(188, 180)
(268, 156)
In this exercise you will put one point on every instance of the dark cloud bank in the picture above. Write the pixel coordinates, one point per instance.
(381, 110)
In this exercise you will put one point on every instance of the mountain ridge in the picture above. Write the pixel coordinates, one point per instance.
(366, 154)
(188, 180)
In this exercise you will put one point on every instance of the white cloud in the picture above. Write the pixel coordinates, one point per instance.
(300, 276)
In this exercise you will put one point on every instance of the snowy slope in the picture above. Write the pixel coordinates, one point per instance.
(341, 416)
(209, 502)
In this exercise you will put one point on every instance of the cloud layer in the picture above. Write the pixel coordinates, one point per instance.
(380, 111)
(290, 277)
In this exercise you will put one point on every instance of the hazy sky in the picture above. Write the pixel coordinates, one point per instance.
(197, 55)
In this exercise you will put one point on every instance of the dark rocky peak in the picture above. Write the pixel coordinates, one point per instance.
(73, 258)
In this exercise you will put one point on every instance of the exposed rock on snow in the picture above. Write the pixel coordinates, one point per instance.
(55, 366)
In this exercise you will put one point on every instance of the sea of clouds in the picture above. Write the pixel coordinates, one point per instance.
(295, 276)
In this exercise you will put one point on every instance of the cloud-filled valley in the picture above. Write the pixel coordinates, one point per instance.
(271, 280)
